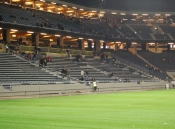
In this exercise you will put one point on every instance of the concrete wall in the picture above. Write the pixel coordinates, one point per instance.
(73, 88)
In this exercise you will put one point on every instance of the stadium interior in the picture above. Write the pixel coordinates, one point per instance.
(115, 44)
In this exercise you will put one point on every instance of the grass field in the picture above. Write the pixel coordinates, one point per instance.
(139, 110)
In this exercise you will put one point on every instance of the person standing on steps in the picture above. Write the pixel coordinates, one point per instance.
(95, 85)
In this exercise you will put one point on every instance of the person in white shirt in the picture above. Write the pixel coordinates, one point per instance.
(95, 85)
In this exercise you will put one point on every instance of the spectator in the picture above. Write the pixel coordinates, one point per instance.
(49, 59)
(113, 60)
(95, 85)
(7, 48)
(41, 62)
(68, 53)
(82, 78)
(29, 55)
(82, 73)
(87, 74)
(111, 75)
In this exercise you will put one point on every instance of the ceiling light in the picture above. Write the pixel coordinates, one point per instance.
(114, 13)
(145, 14)
(30, 32)
(167, 14)
(43, 33)
(46, 36)
(28, 3)
(42, 0)
(122, 13)
(74, 7)
(81, 9)
(80, 38)
(102, 12)
(68, 37)
(57, 35)
(14, 30)
(65, 5)
(53, 3)
(14, 35)
(157, 14)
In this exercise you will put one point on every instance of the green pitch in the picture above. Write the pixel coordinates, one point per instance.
(139, 110)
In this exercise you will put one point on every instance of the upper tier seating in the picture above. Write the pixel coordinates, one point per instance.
(99, 27)
(168, 29)
(143, 30)
(161, 36)
(32, 17)
(13, 69)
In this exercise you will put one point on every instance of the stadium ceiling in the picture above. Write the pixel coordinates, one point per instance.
(84, 8)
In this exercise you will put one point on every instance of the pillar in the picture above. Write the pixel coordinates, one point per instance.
(104, 45)
(116, 46)
(156, 47)
(97, 45)
(144, 46)
(6, 35)
(147, 46)
(128, 45)
(60, 41)
(89, 44)
(81, 44)
(168, 46)
(35, 39)
(135, 48)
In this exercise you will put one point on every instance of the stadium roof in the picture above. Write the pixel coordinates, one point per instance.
(129, 5)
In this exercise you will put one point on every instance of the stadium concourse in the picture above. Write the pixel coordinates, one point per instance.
(44, 44)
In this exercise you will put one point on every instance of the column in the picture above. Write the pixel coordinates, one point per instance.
(156, 47)
(89, 44)
(128, 45)
(33, 5)
(135, 48)
(116, 46)
(104, 45)
(81, 44)
(97, 45)
(144, 46)
(147, 46)
(6, 35)
(35, 39)
(60, 41)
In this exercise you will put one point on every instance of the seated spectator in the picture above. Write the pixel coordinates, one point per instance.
(37, 23)
(49, 59)
(41, 62)
(113, 60)
(29, 55)
(82, 78)
(111, 75)
(12, 16)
